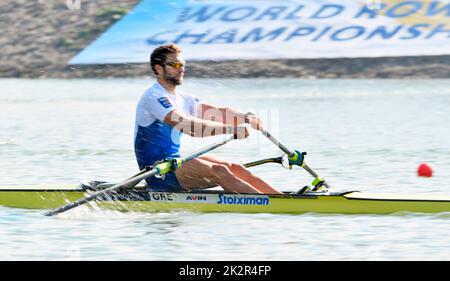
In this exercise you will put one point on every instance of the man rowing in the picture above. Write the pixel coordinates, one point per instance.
(164, 113)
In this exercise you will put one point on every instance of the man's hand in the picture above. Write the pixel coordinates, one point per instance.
(254, 121)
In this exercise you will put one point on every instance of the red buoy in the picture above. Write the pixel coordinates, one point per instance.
(424, 170)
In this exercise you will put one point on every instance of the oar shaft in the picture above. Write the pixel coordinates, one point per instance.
(207, 149)
(132, 181)
(276, 142)
(314, 174)
(290, 153)
(105, 191)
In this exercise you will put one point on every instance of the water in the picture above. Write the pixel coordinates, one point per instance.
(368, 135)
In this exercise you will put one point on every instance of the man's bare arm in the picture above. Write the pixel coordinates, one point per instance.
(229, 116)
(197, 127)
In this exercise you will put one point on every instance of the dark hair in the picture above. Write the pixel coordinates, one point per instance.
(159, 54)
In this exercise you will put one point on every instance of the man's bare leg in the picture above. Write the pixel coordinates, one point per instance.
(200, 173)
(208, 171)
(244, 174)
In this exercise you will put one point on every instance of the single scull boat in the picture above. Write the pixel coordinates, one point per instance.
(140, 199)
(129, 196)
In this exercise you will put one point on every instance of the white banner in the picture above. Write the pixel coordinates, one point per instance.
(263, 29)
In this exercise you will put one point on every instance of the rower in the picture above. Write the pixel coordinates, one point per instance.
(164, 113)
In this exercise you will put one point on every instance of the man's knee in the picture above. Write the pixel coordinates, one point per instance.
(220, 170)
(238, 168)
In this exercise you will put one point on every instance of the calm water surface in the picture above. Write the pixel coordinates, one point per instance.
(368, 135)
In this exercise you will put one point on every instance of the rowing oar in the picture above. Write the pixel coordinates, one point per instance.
(296, 158)
(159, 169)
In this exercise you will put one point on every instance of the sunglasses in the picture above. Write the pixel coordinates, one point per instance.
(176, 64)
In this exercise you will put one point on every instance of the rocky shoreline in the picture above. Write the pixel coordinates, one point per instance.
(41, 36)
